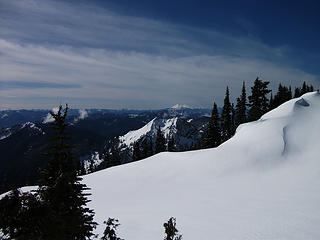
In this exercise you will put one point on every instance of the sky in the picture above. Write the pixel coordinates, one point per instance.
(151, 54)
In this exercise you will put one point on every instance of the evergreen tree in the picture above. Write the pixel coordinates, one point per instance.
(271, 101)
(171, 230)
(115, 158)
(160, 145)
(311, 89)
(144, 147)
(110, 233)
(304, 88)
(60, 188)
(150, 147)
(297, 92)
(147, 147)
(226, 121)
(212, 138)
(258, 101)
(136, 155)
(241, 107)
(284, 94)
(23, 216)
(106, 161)
(171, 144)
(233, 120)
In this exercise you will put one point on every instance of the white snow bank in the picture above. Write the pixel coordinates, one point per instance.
(261, 184)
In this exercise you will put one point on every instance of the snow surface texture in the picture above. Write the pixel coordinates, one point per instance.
(168, 126)
(261, 184)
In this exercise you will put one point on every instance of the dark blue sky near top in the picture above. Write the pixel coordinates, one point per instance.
(276, 23)
(149, 53)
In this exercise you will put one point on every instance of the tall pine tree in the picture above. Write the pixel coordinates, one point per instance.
(212, 138)
(241, 107)
(258, 101)
(160, 141)
(226, 118)
(60, 187)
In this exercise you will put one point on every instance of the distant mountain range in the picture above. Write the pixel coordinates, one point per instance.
(24, 133)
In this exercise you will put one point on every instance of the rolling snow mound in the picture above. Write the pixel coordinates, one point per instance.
(261, 184)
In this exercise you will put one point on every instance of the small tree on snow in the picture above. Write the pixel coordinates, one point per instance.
(171, 230)
(111, 228)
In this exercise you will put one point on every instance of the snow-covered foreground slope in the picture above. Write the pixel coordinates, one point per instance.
(264, 183)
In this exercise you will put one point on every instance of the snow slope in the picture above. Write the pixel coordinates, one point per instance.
(262, 184)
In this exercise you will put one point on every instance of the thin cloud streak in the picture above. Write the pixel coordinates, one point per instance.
(126, 62)
(129, 78)
(5, 85)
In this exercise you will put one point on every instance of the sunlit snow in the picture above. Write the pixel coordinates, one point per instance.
(261, 184)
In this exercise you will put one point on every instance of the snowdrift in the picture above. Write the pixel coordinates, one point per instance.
(262, 184)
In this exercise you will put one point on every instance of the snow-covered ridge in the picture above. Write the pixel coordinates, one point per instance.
(5, 133)
(167, 126)
(31, 125)
(132, 136)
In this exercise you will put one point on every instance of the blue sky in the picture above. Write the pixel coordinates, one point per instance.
(151, 54)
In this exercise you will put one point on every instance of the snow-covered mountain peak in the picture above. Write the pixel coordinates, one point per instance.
(132, 136)
(167, 126)
(180, 106)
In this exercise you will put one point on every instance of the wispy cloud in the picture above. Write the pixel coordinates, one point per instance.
(94, 57)
(5, 85)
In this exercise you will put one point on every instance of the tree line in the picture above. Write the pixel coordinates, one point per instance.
(222, 127)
